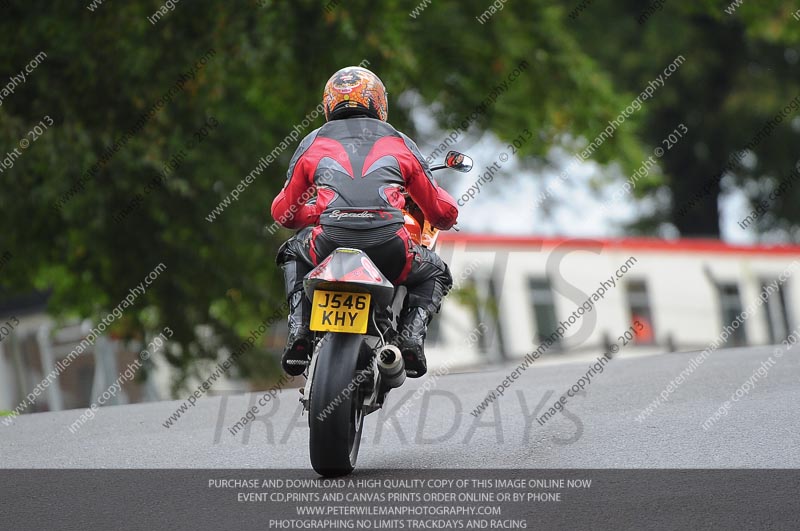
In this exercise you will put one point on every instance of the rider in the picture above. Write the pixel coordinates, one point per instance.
(359, 166)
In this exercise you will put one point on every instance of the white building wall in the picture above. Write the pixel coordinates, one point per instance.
(683, 297)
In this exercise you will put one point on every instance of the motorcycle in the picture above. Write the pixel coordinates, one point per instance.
(353, 367)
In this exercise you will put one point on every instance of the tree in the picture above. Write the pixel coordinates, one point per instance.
(92, 207)
(741, 70)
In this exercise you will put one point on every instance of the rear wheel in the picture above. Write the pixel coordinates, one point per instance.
(335, 414)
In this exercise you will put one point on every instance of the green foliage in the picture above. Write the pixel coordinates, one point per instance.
(740, 70)
(104, 69)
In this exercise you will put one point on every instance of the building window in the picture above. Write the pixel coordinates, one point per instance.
(467, 295)
(639, 308)
(777, 313)
(434, 331)
(544, 310)
(731, 305)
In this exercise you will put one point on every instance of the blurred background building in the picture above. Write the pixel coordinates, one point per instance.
(684, 292)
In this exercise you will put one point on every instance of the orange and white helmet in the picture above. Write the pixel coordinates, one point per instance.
(354, 90)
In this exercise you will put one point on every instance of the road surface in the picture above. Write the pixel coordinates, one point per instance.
(598, 429)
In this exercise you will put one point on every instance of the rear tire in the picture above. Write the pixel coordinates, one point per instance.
(335, 416)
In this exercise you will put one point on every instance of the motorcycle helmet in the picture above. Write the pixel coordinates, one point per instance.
(353, 91)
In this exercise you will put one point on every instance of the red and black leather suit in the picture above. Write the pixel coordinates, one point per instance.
(358, 167)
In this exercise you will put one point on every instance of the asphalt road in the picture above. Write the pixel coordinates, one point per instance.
(598, 429)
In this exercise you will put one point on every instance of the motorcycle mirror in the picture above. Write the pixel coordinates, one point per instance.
(458, 161)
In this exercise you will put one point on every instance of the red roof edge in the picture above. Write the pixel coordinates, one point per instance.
(681, 245)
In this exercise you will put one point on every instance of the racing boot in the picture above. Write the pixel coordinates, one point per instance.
(411, 339)
(299, 345)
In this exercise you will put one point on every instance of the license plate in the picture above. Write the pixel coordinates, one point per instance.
(340, 311)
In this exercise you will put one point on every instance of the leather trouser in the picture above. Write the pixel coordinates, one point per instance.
(421, 270)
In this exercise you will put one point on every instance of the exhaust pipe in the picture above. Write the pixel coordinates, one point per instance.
(391, 366)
